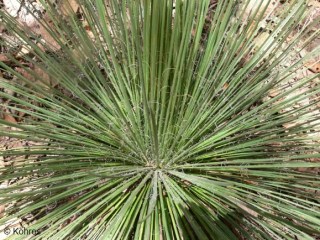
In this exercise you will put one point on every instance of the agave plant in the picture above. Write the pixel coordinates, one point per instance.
(155, 123)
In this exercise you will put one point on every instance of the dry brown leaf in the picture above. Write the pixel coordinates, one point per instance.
(2, 208)
(14, 143)
(2, 27)
(289, 125)
(74, 5)
(225, 86)
(23, 51)
(65, 7)
(24, 73)
(254, 6)
(47, 37)
(45, 78)
(7, 117)
(21, 115)
(261, 39)
(313, 67)
(314, 3)
(274, 93)
(245, 208)
(312, 64)
(4, 58)
(41, 75)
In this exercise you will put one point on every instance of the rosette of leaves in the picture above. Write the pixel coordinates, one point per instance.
(153, 125)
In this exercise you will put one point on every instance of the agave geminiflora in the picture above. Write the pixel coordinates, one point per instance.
(157, 129)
